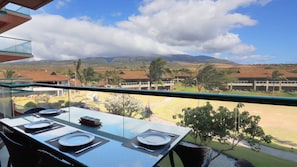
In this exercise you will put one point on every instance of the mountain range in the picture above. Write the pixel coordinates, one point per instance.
(120, 62)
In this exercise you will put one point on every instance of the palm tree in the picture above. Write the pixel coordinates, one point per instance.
(78, 75)
(205, 76)
(10, 74)
(277, 76)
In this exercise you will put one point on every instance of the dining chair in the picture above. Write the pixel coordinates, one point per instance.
(18, 152)
(16, 137)
(191, 154)
(46, 159)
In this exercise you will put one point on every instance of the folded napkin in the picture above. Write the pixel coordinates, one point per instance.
(90, 121)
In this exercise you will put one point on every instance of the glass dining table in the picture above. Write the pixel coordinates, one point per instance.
(116, 141)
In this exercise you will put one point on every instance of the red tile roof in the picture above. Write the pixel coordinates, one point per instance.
(256, 72)
(39, 76)
(133, 75)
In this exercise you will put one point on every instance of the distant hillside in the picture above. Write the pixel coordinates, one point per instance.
(196, 59)
(120, 62)
(170, 58)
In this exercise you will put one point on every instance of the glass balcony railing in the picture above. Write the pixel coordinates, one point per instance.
(278, 114)
(16, 8)
(14, 45)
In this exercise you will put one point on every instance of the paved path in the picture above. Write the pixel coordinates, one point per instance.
(166, 100)
(155, 118)
(278, 153)
(275, 152)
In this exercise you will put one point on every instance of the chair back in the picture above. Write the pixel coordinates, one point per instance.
(193, 155)
(18, 153)
(47, 159)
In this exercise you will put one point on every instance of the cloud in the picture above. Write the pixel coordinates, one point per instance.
(61, 3)
(55, 37)
(253, 59)
(200, 23)
(116, 14)
(161, 27)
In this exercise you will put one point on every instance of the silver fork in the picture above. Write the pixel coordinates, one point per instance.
(140, 147)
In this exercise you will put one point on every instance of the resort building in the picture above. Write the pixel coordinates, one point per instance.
(260, 79)
(140, 80)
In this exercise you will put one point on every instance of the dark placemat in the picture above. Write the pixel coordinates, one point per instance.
(72, 150)
(157, 149)
(40, 130)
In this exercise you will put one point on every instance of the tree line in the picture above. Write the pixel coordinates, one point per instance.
(206, 77)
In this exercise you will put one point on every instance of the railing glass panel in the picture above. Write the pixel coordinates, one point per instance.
(5, 102)
(8, 44)
(278, 115)
(17, 8)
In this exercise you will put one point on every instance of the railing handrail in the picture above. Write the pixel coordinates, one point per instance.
(275, 100)
(13, 38)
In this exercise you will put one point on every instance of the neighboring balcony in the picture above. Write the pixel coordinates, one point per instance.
(12, 16)
(32, 4)
(14, 49)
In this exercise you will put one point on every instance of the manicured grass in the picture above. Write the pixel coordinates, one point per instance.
(257, 158)
(180, 88)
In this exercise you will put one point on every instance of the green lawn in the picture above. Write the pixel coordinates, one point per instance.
(179, 88)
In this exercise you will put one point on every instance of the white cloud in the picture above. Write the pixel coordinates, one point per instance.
(116, 14)
(161, 27)
(217, 55)
(253, 59)
(61, 3)
(55, 37)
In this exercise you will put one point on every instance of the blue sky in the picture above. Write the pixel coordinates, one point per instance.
(243, 31)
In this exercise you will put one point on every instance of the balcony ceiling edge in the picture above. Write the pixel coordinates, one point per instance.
(32, 4)
(10, 56)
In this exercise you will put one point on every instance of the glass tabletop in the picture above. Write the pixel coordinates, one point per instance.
(119, 131)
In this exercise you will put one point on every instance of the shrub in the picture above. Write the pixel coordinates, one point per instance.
(30, 104)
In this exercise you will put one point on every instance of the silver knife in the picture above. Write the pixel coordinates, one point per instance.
(44, 130)
(88, 147)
